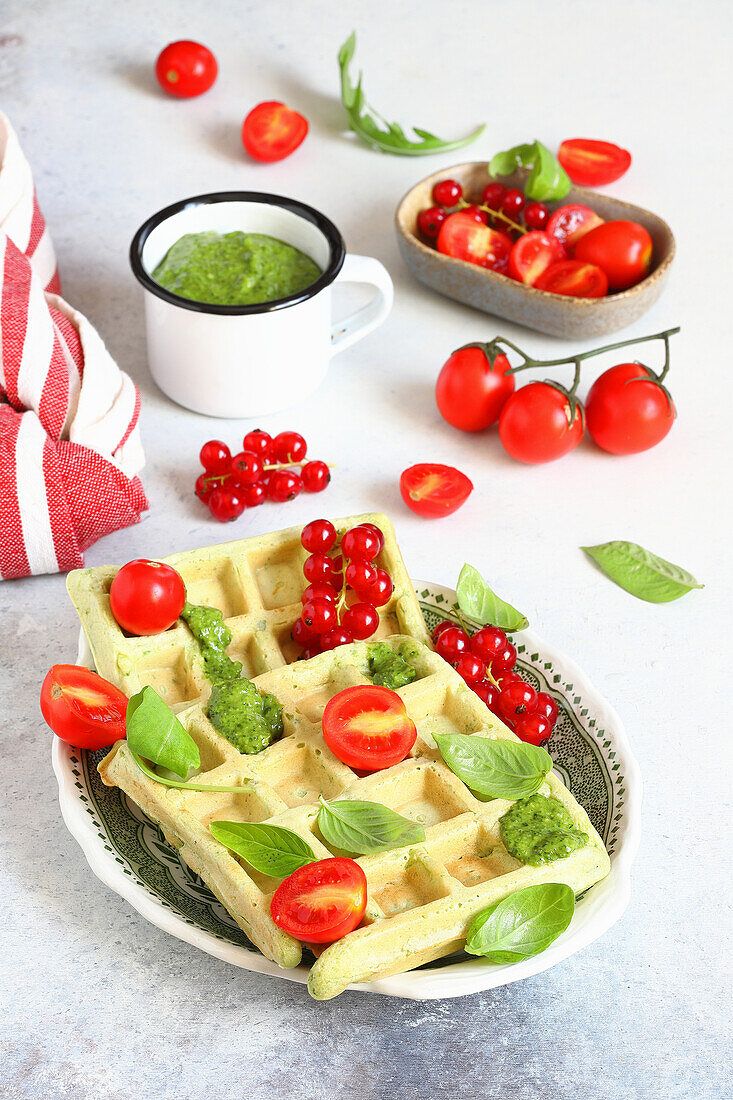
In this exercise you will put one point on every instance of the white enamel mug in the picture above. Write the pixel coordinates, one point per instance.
(245, 361)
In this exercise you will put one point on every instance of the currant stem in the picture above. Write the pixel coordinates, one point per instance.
(494, 213)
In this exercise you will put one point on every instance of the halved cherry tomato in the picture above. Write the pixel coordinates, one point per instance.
(368, 727)
(465, 238)
(592, 163)
(536, 424)
(321, 902)
(627, 411)
(573, 278)
(570, 223)
(271, 131)
(146, 597)
(470, 391)
(433, 490)
(185, 69)
(82, 708)
(532, 254)
(622, 249)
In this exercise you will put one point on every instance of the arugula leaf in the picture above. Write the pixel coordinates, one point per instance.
(493, 768)
(547, 179)
(270, 849)
(363, 827)
(640, 572)
(478, 602)
(154, 732)
(523, 924)
(374, 130)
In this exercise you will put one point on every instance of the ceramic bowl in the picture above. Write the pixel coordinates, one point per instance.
(554, 314)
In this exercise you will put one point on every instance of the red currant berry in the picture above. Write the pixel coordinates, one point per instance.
(254, 494)
(445, 625)
(361, 620)
(536, 215)
(319, 615)
(301, 634)
(338, 564)
(517, 698)
(447, 193)
(258, 442)
(487, 692)
(215, 457)
(488, 643)
(504, 679)
(377, 532)
(360, 544)
(204, 487)
(360, 575)
(283, 485)
(380, 593)
(316, 476)
(476, 213)
(246, 468)
(318, 535)
(470, 668)
(311, 650)
(546, 705)
(336, 637)
(504, 661)
(429, 221)
(226, 503)
(321, 590)
(493, 195)
(289, 447)
(318, 567)
(533, 727)
(513, 203)
(452, 643)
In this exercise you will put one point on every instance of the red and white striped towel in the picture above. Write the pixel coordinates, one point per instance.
(69, 439)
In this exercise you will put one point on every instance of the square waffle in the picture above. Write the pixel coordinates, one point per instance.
(421, 897)
(256, 583)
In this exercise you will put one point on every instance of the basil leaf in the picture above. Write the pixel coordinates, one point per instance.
(478, 602)
(522, 925)
(496, 769)
(214, 788)
(547, 179)
(389, 137)
(363, 827)
(640, 572)
(154, 732)
(270, 849)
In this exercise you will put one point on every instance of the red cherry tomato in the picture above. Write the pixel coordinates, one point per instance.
(570, 223)
(622, 249)
(592, 163)
(146, 597)
(321, 902)
(574, 279)
(271, 131)
(532, 254)
(536, 425)
(627, 411)
(471, 391)
(185, 69)
(464, 238)
(368, 727)
(82, 708)
(433, 490)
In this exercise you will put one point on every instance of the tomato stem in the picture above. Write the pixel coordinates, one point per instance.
(529, 363)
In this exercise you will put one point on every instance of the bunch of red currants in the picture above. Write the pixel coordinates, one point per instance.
(486, 662)
(345, 587)
(506, 207)
(265, 469)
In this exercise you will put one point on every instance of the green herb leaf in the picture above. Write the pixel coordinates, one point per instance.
(154, 732)
(362, 827)
(375, 131)
(478, 602)
(270, 849)
(547, 179)
(493, 768)
(640, 572)
(214, 788)
(522, 925)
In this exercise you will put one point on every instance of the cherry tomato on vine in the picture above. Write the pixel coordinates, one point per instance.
(368, 727)
(532, 254)
(570, 223)
(146, 597)
(574, 279)
(433, 490)
(81, 708)
(471, 391)
(322, 901)
(592, 163)
(622, 249)
(464, 238)
(628, 411)
(536, 424)
(271, 131)
(185, 69)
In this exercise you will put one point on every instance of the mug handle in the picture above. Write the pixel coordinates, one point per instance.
(362, 269)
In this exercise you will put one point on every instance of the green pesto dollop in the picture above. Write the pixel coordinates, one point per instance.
(389, 669)
(213, 635)
(539, 830)
(246, 717)
(234, 269)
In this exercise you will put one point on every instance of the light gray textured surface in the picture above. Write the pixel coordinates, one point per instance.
(100, 1005)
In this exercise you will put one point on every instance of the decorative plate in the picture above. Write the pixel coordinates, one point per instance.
(590, 751)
